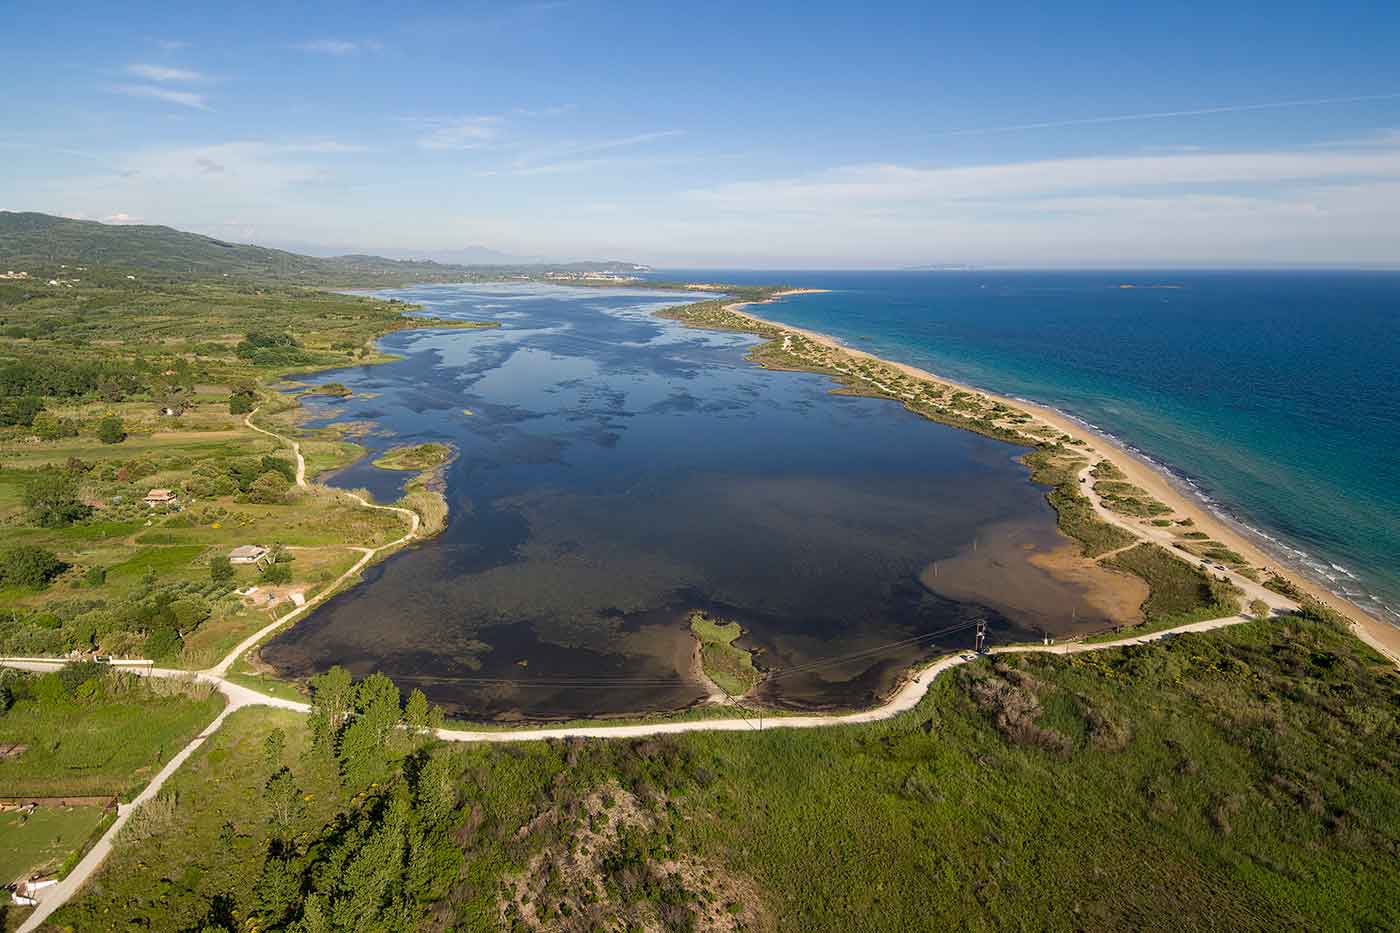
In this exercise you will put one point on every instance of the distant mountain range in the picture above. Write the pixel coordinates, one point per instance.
(45, 240)
(473, 255)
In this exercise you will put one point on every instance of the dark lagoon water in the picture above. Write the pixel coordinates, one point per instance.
(1274, 395)
(617, 471)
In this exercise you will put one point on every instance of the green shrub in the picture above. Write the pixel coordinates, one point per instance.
(20, 411)
(29, 565)
(243, 399)
(110, 430)
(48, 689)
(277, 574)
(220, 569)
(270, 488)
(51, 496)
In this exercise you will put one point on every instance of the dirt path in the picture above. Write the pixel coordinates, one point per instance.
(366, 555)
(904, 699)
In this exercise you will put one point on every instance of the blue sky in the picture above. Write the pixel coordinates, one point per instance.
(777, 135)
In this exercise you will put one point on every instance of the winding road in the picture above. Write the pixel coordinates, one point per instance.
(904, 699)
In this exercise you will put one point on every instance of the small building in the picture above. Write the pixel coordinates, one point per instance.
(161, 497)
(25, 892)
(247, 554)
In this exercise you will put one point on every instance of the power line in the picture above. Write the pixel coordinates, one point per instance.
(857, 655)
(625, 682)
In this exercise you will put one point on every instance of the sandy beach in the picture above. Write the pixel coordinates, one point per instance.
(1379, 635)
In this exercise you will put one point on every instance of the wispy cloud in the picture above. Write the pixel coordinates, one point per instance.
(623, 142)
(172, 45)
(150, 91)
(163, 73)
(916, 188)
(564, 157)
(459, 132)
(337, 46)
(1170, 114)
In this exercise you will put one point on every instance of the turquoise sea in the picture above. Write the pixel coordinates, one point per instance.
(1275, 396)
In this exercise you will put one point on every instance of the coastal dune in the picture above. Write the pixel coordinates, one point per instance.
(1384, 637)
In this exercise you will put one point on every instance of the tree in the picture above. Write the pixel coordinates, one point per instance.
(364, 747)
(277, 573)
(29, 565)
(377, 703)
(435, 790)
(363, 759)
(20, 411)
(45, 426)
(332, 698)
(220, 568)
(110, 430)
(277, 891)
(1259, 609)
(51, 496)
(243, 398)
(273, 746)
(269, 489)
(283, 797)
(421, 719)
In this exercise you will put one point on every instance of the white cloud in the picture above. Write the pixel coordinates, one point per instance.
(337, 46)
(1307, 204)
(917, 188)
(562, 157)
(172, 45)
(1170, 114)
(162, 73)
(183, 98)
(460, 133)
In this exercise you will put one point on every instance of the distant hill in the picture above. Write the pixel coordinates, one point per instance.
(45, 240)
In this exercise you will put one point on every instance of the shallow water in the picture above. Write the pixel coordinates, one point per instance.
(618, 471)
(1274, 395)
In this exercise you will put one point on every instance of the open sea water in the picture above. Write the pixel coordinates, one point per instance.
(1275, 396)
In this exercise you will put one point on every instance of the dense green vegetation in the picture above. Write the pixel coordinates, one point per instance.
(1123, 497)
(93, 731)
(1058, 467)
(1245, 778)
(419, 457)
(59, 245)
(111, 387)
(728, 665)
(1180, 592)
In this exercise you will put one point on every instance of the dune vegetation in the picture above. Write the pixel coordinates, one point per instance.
(1245, 777)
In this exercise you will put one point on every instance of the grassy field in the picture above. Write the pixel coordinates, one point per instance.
(729, 666)
(43, 840)
(1180, 592)
(103, 734)
(1240, 779)
(125, 554)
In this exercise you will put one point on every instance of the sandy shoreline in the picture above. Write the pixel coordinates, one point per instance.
(1379, 634)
